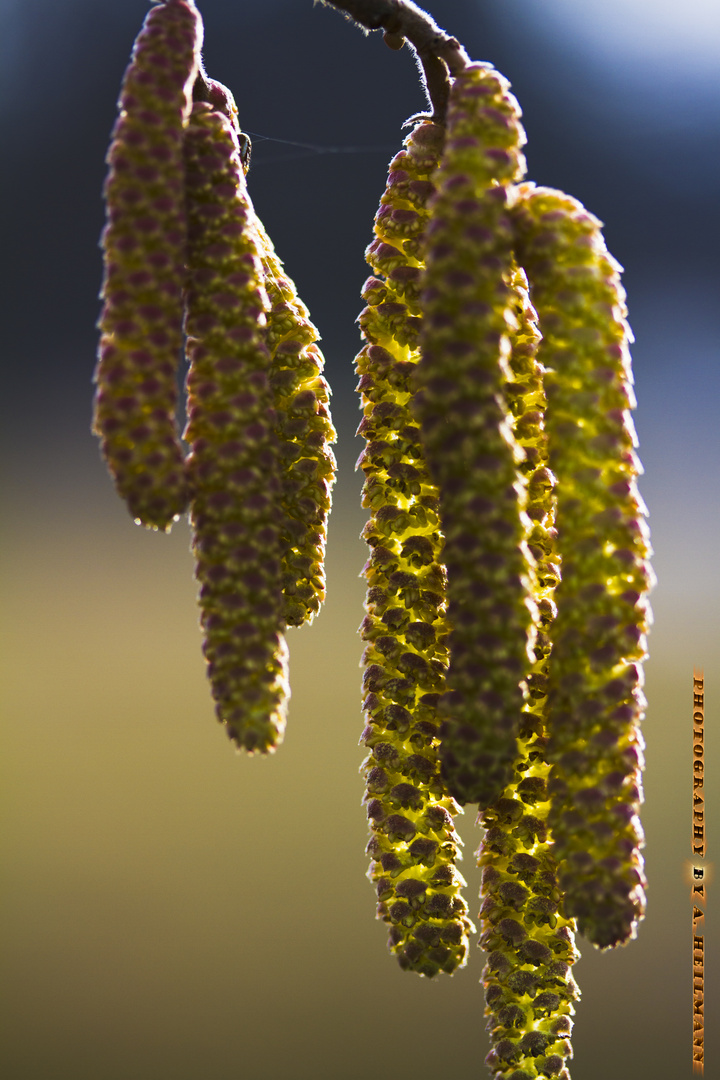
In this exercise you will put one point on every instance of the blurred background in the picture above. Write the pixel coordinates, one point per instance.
(170, 910)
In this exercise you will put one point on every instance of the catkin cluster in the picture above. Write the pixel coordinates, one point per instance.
(188, 262)
(508, 575)
(500, 459)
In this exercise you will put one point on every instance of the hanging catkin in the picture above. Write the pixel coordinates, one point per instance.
(529, 991)
(466, 431)
(234, 464)
(302, 423)
(414, 846)
(595, 689)
(304, 431)
(144, 249)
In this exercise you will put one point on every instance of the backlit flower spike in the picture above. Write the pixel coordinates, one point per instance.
(529, 990)
(466, 430)
(144, 251)
(414, 846)
(599, 637)
(305, 432)
(234, 464)
(527, 403)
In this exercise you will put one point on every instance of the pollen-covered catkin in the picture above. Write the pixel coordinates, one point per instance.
(471, 451)
(529, 991)
(414, 846)
(234, 464)
(144, 250)
(305, 432)
(599, 637)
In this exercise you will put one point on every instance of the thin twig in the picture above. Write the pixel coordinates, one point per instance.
(439, 55)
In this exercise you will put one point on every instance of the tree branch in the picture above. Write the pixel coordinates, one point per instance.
(439, 55)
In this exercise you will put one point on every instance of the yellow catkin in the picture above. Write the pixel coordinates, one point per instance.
(466, 431)
(302, 424)
(414, 846)
(595, 686)
(305, 432)
(529, 991)
(234, 464)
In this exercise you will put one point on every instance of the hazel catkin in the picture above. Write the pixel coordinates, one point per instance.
(144, 253)
(466, 432)
(233, 466)
(305, 433)
(414, 847)
(530, 946)
(599, 638)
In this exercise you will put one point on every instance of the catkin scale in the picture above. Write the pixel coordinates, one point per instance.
(466, 432)
(234, 463)
(414, 846)
(595, 683)
(144, 253)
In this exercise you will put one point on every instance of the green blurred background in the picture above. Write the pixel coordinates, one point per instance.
(171, 910)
